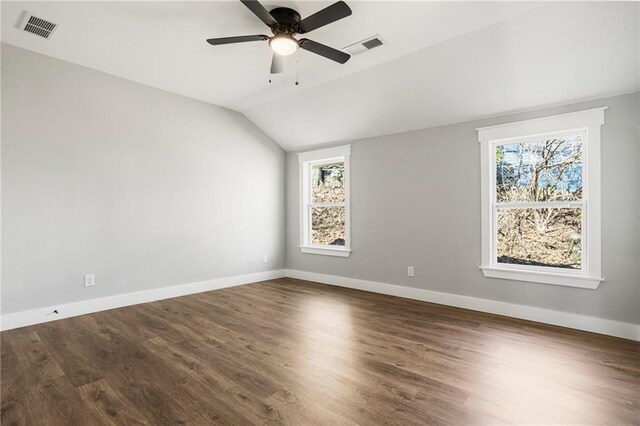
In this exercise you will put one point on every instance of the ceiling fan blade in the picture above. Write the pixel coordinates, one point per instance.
(322, 50)
(260, 12)
(277, 64)
(238, 39)
(326, 16)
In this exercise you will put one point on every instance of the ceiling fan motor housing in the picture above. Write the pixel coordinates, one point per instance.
(288, 20)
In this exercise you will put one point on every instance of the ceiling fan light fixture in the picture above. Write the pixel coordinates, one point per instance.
(283, 45)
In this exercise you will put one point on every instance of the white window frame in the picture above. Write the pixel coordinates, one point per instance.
(306, 161)
(587, 123)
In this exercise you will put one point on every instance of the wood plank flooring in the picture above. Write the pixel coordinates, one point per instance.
(292, 352)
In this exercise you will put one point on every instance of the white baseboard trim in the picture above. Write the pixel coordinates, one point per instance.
(531, 313)
(37, 316)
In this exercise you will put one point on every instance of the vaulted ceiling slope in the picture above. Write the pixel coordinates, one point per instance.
(556, 54)
(443, 62)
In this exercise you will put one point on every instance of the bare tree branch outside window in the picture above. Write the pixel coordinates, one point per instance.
(328, 221)
(539, 171)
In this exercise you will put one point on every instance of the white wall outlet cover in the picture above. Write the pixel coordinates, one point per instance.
(264, 258)
(89, 280)
(410, 272)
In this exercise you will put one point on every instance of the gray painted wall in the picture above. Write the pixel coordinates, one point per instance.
(148, 189)
(416, 201)
(141, 187)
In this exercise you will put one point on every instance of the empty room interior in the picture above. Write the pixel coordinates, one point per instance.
(249, 212)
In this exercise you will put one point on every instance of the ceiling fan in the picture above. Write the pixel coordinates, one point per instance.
(285, 23)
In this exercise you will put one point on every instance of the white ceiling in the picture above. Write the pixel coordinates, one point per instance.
(557, 54)
(444, 61)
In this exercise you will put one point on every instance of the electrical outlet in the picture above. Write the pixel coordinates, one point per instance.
(90, 280)
(264, 258)
(410, 271)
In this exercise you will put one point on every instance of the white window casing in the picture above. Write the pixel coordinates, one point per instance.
(306, 160)
(585, 123)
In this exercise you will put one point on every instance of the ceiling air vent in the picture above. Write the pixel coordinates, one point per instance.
(38, 26)
(365, 45)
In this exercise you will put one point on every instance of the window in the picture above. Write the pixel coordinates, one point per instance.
(541, 200)
(324, 201)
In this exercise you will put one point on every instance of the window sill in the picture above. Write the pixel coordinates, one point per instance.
(326, 251)
(542, 277)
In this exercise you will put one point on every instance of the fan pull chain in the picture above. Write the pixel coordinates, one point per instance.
(297, 82)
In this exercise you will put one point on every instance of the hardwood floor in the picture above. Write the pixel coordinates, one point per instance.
(292, 352)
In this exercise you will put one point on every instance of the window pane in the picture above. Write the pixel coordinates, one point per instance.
(327, 183)
(327, 226)
(540, 237)
(540, 170)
